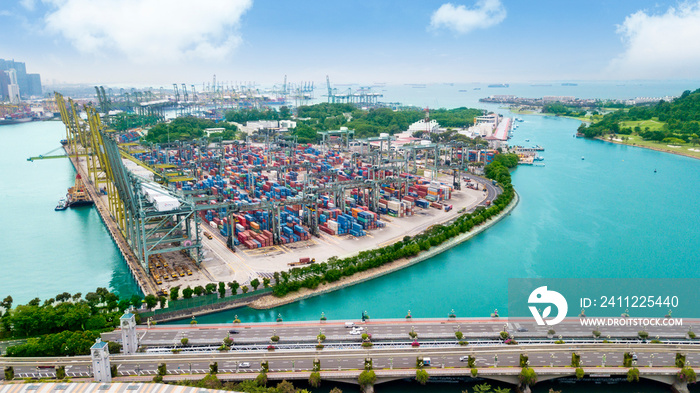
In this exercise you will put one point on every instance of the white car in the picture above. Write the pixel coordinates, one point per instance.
(358, 328)
(463, 358)
(355, 332)
(244, 365)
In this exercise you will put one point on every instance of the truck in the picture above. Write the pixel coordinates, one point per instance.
(426, 361)
(488, 203)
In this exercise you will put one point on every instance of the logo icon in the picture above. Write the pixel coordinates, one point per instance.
(542, 295)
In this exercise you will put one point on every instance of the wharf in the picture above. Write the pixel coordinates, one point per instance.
(144, 281)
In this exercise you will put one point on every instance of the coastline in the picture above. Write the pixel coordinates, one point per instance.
(678, 153)
(270, 301)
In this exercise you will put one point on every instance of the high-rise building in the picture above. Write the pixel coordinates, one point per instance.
(29, 84)
(13, 92)
(4, 83)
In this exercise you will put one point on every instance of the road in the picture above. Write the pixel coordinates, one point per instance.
(648, 355)
(389, 330)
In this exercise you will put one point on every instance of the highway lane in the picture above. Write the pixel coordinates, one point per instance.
(658, 355)
(291, 332)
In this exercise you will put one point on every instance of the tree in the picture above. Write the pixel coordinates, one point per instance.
(245, 289)
(151, 301)
(174, 293)
(234, 285)
(210, 288)
(162, 301)
(266, 282)
(184, 340)
(633, 375)
(187, 292)
(286, 387)
(315, 380)
(527, 376)
(367, 378)
(213, 368)
(335, 390)
(162, 369)
(422, 376)
(261, 379)
(222, 289)
(199, 290)
(255, 283)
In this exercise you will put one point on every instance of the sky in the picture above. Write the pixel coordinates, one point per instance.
(161, 42)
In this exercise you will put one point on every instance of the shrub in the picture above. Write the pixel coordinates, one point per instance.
(680, 360)
(261, 379)
(559, 342)
(627, 360)
(504, 335)
(422, 376)
(319, 346)
(158, 379)
(412, 334)
(510, 341)
(474, 372)
(315, 380)
(367, 344)
(9, 373)
(162, 369)
(691, 334)
(184, 341)
(463, 343)
(596, 333)
(579, 373)
(471, 362)
(633, 375)
(523, 360)
(275, 339)
(415, 344)
(687, 374)
(643, 335)
(459, 335)
(270, 347)
(419, 362)
(213, 368)
(575, 359)
(321, 337)
(228, 341)
(367, 378)
(265, 366)
(61, 372)
(551, 332)
(527, 376)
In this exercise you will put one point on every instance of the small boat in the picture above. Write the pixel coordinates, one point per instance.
(582, 158)
(539, 158)
(62, 204)
(527, 140)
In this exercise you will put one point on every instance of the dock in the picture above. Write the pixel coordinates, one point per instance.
(144, 281)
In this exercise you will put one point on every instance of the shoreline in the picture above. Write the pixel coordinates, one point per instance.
(678, 153)
(270, 301)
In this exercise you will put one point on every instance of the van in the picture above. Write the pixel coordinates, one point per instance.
(426, 361)
(349, 324)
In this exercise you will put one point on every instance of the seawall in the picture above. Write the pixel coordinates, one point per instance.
(271, 301)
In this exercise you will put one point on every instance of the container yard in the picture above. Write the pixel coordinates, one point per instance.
(193, 213)
(265, 206)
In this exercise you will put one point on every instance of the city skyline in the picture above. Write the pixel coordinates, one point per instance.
(139, 42)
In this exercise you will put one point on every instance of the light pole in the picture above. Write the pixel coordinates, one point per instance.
(495, 360)
(651, 360)
(551, 360)
(293, 368)
(190, 364)
(391, 363)
(603, 359)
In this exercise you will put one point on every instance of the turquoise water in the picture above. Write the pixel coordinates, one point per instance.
(45, 253)
(609, 215)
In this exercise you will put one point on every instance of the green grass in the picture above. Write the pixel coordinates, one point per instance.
(636, 140)
(654, 125)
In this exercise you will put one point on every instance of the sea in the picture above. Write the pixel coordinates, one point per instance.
(621, 212)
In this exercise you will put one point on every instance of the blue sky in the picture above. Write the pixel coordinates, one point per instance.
(158, 42)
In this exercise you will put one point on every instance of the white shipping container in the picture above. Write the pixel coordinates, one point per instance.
(213, 224)
(393, 205)
(164, 203)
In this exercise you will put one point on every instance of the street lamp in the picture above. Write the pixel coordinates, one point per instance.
(190, 364)
(293, 369)
(551, 361)
(651, 360)
(604, 358)
(495, 360)
(391, 363)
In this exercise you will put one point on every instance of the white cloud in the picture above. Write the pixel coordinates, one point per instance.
(150, 31)
(28, 4)
(660, 46)
(484, 14)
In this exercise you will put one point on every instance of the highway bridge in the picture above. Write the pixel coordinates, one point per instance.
(393, 351)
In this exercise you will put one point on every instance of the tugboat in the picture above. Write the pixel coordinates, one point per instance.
(62, 204)
(78, 195)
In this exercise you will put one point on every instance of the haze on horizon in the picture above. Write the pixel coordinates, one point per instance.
(154, 42)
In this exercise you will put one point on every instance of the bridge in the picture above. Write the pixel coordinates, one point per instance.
(289, 350)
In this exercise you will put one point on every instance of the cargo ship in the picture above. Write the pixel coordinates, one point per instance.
(499, 85)
(7, 120)
(77, 195)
